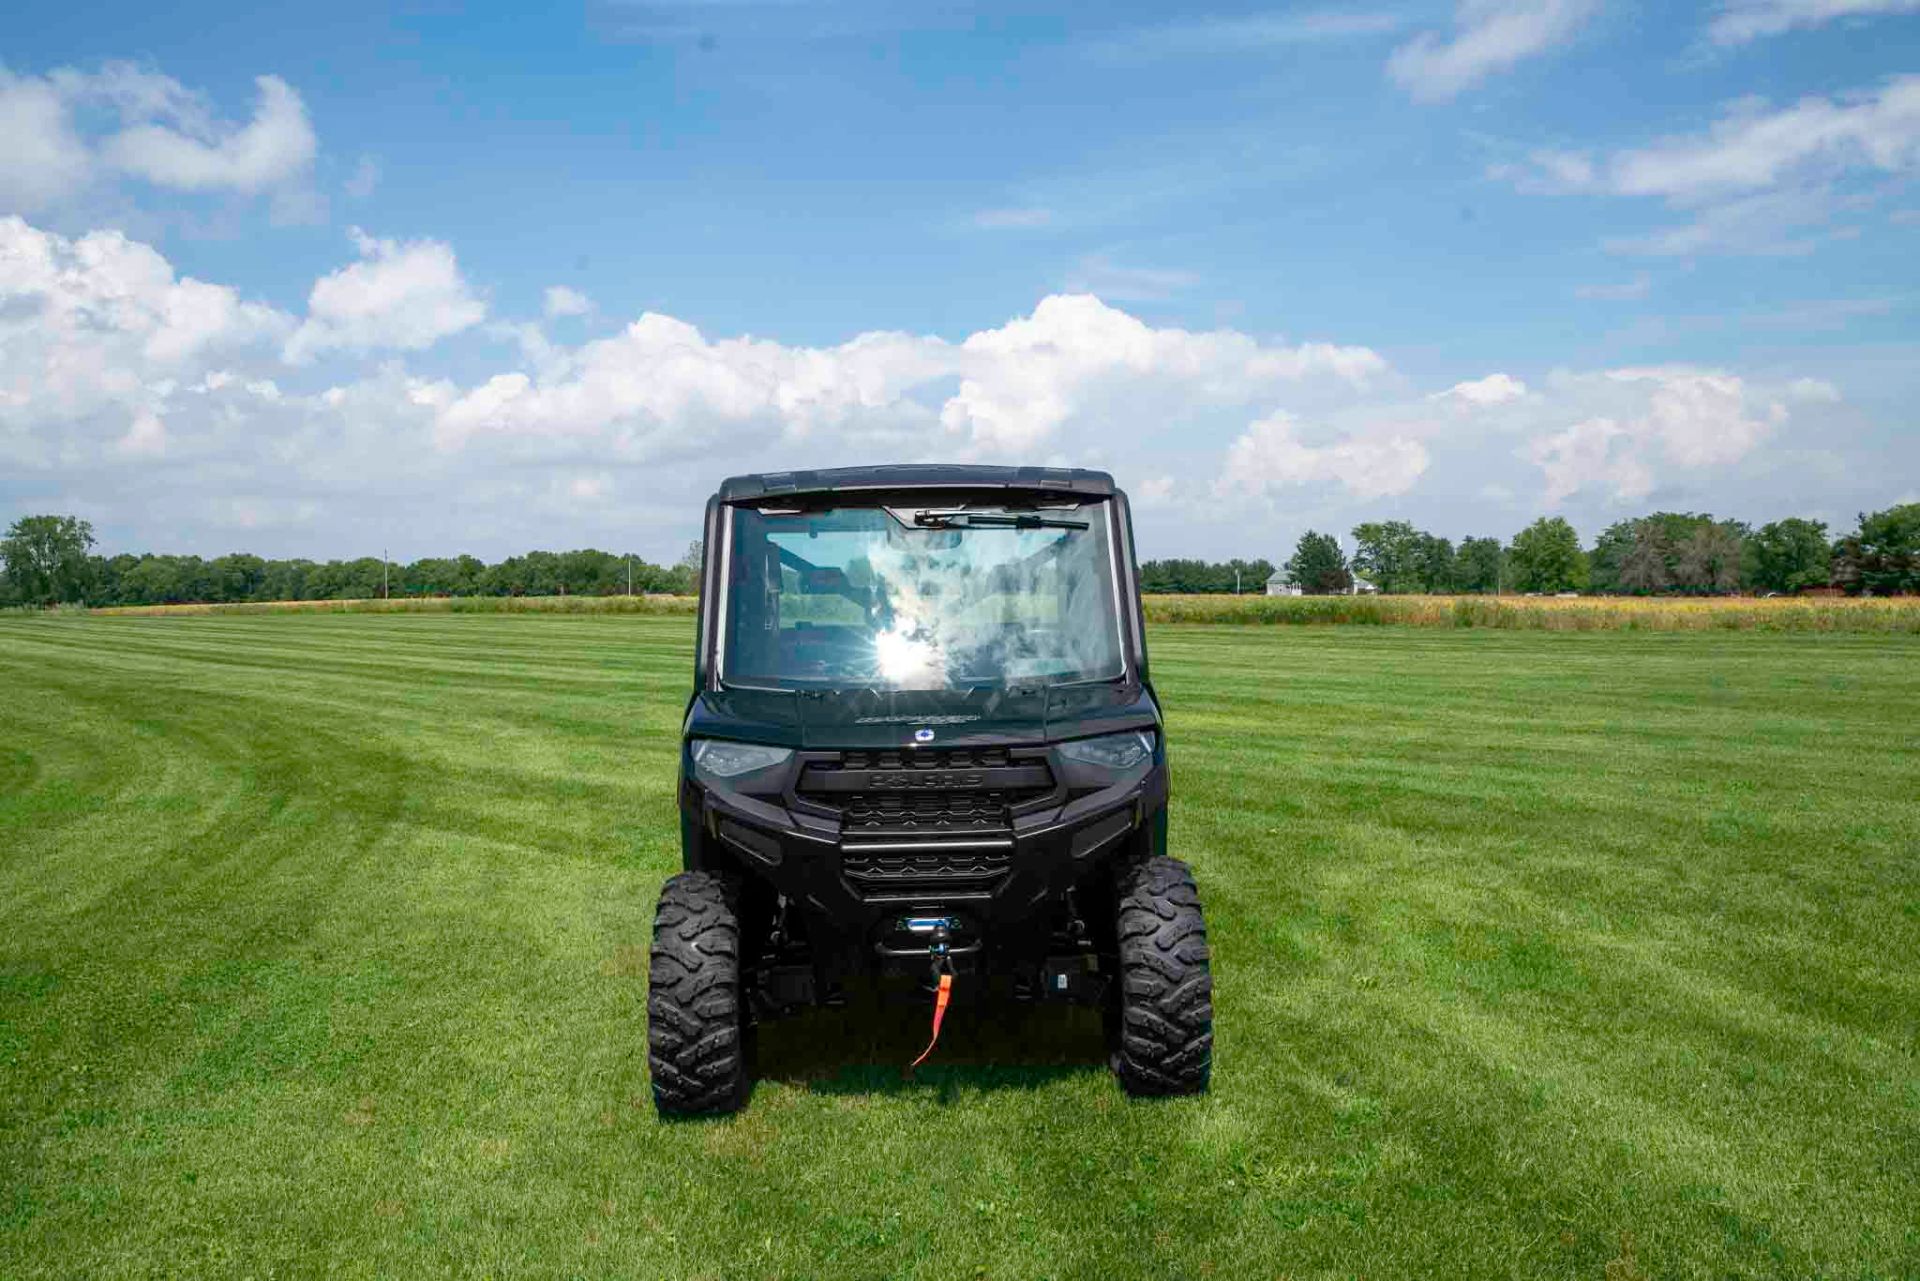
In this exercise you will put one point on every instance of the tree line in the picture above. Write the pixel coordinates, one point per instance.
(46, 560)
(1664, 553)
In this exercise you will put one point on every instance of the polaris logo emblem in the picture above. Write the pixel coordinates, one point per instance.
(923, 736)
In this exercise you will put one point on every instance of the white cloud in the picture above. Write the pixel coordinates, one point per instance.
(562, 301)
(365, 177)
(1739, 21)
(1023, 380)
(1154, 491)
(662, 385)
(400, 295)
(42, 160)
(1756, 175)
(1655, 422)
(1494, 389)
(1489, 36)
(1271, 456)
(1754, 149)
(196, 154)
(97, 335)
(148, 126)
(1813, 391)
(112, 367)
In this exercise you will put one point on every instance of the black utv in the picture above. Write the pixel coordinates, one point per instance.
(922, 745)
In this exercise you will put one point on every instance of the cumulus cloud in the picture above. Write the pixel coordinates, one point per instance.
(120, 377)
(401, 295)
(1740, 21)
(42, 160)
(662, 383)
(1489, 36)
(1657, 421)
(146, 126)
(192, 153)
(1755, 174)
(96, 331)
(562, 301)
(1272, 456)
(1022, 380)
(1494, 389)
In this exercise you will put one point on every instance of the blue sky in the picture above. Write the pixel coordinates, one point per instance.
(1275, 266)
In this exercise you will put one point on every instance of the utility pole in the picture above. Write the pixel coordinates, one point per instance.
(383, 573)
(629, 574)
(1236, 580)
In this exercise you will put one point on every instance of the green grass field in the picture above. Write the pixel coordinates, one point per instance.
(1538, 955)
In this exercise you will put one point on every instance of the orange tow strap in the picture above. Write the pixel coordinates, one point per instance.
(939, 1013)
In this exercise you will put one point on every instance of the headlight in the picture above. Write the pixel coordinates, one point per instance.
(1110, 751)
(725, 760)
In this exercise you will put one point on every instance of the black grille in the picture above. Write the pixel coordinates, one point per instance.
(923, 759)
(932, 794)
(924, 867)
(931, 814)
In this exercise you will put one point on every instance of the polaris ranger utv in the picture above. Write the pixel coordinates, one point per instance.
(922, 744)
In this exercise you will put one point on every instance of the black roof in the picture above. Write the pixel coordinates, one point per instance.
(1058, 480)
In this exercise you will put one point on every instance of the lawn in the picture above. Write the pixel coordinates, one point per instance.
(1538, 955)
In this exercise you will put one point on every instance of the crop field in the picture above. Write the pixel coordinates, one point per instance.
(1539, 954)
(1893, 615)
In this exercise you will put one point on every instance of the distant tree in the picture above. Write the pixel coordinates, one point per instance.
(685, 580)
(238, 576)
(288, 580)
(1388, 555)
(1646, 566)
(1193, 576)
(107, 575)
(1481, 565)
(46, 559)
(1547, 557)
(1318, 565)
(1436, 565)
(1610, 551)
(1709, 559)
(1882, 557)
(1791, 554)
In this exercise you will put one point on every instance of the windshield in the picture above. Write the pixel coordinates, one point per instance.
(912, 597)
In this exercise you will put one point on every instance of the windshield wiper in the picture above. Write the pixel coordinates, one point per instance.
(960, 518)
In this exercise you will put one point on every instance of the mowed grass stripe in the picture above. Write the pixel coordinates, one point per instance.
(324, 939)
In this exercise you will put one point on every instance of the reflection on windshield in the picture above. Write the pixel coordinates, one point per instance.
(858, 596)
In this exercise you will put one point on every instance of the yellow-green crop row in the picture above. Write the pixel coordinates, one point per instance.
(1525, 613)
(1548, 613)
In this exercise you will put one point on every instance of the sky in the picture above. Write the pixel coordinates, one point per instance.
(340, 280)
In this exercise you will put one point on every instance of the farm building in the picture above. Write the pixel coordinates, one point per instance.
(1277, 585)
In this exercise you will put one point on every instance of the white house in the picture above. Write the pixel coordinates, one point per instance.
(1277, 585)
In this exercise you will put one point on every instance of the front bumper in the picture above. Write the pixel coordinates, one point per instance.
(996, 879)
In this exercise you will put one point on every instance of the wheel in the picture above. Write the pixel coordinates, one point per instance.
(695, 1043)
(1163, 1012)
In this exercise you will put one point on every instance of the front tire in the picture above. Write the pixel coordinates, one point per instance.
(695, 1032)
(1163, 1013)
